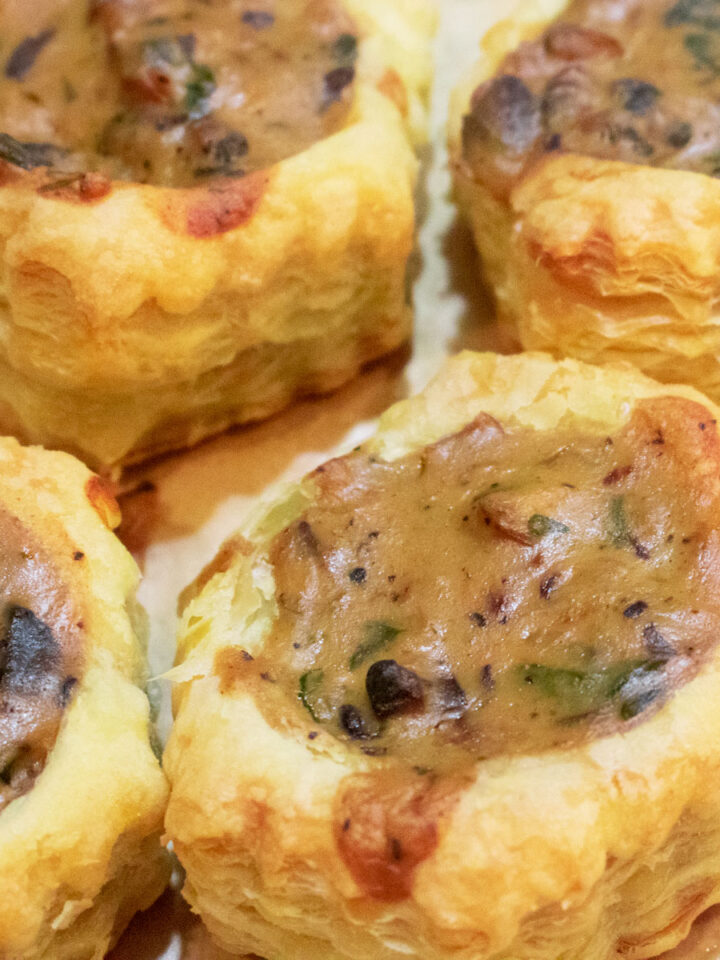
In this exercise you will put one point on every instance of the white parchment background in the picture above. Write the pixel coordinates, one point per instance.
(201, 496)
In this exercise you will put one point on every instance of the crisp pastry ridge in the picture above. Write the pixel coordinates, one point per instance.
(600, 259)
(598, 847)
(140, 318)
(82, 795)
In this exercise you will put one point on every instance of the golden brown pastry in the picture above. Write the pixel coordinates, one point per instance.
(452, 695)
(205, 210)
(585, 152)
(82, 795)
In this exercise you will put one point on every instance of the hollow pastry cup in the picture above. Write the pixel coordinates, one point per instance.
(80, 847)
(138, 319)
(608, 845)
(591, 258)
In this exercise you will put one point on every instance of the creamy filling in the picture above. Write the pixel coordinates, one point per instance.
(630, 80)
(171, 92)
(503, 591)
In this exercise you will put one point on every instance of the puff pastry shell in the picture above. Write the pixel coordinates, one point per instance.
(596, 259)
(148, 318)
(80, 850)
(604, 849)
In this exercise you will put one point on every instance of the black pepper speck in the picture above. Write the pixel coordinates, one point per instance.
(358, 575)
(635, 610)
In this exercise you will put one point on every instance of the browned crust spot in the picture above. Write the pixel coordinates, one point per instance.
(79, 188)
(233, 666)
(386, 825)
(391, 84)
(209, 211)
(596, 254)
(82, 188)
(10, 174)
(101, 495)
(570, 41)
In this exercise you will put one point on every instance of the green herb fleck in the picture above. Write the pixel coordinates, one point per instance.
(310, 684)
(704, 51)
(635, 705)
(578, 692)
(680, 134)
(541, 526)
(700, 13)
(619, 532)
(199, 90)
(377, 636)
(60, 184)
(581, 692)
(637, 96)
(712, 163)
(345, 50)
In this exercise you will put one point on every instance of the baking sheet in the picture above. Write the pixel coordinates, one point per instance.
(184, 507)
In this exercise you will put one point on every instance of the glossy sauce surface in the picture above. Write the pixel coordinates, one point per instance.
(171, 92)
(41, 656)
(502, 591)
(630, 80)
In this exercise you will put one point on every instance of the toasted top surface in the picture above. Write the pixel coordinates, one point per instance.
(41, 654)
(630, 80)
(503, 591)
(171, 92)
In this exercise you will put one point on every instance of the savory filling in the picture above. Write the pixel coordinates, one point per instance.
(630, 80)
(502, 591)
(40, 657)
(171, 91)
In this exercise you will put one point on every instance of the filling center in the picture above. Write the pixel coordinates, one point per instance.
(503, 590)
(630, 80)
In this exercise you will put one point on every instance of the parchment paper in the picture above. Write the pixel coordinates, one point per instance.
(185, 506)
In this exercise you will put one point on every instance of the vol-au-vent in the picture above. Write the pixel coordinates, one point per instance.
(82, 795)
(206, 210)
(440, 678)
(42, 656)
(585, 156)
